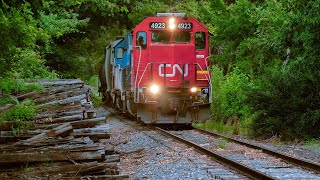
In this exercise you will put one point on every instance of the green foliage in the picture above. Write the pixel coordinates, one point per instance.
(145, 8)
(254, 39)
(93, 81)
(288, 99)
(11, 86)
(222, 143)
(216, 126)
(234, 90)
(79, 58)
(96, 97)
(20, 115)
(7, 100)
(27, 31)
(217, 96)
(21, 112)
(97, 100)
(313, 143)
(29, 65)
(229, 94)
(288, 103)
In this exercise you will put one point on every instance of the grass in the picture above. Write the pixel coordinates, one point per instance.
(96, 97)
(313, 143)
(26, 168)
(215, 126)
(12, 86)
(8, 99)
(20, 115)
(222, 143)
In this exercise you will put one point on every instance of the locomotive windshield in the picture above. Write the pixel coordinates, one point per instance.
(164, 37)
(181, 37)
(160, 37)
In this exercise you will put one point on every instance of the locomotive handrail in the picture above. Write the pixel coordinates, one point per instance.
(210, 84)
(145, 69)
(209, 80)
(206, 61)
(135, 83)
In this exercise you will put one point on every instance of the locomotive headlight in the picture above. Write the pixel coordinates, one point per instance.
(171, 21)
(154, 89)
(171, 24)
(193, 89)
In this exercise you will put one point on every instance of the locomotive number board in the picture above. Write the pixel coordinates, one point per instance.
(163, 25)
(185, 25)
(157, 25)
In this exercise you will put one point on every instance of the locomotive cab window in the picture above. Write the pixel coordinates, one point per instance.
(142, 39)
(182, 37)
(160, 37)
(120, 52)
(200, 40)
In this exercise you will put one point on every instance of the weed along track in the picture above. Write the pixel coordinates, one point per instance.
(253, 162)
(65, 139)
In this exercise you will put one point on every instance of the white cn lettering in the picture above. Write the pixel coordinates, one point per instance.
(175, 66)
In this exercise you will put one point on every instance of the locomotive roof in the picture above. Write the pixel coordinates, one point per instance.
(164, 18)
(114, 43)
(171, 15)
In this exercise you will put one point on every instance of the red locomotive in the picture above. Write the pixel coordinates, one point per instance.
(159, 71)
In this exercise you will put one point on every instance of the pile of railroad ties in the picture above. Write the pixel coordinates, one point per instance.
(66, 141)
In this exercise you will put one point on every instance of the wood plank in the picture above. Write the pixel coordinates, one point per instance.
(50, 120)
(69, 118)
(7, 125)
(22, 133)
(59, 89)
(92, 133)
(58, 114)
(59, 82)
(62, 130)
(93, 136)
(61, 108)
(9, 136)
(23, 146)
(30, 95)
(107, 149)
(98, 177)
(21, 158)
(88, 122)
(8, 139)
(79, 169)
(64, 101)
(61, 95)
(46, 126)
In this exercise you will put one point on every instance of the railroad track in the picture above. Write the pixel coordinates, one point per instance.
(210, 169)
(252, 161)
(290, 159)
(248, 160)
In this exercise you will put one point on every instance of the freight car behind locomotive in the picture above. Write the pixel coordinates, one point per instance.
(159, 71)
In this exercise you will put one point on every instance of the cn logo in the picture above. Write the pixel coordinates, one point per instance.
(174, 67)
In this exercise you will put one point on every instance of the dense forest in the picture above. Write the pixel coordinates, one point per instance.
(265, 61)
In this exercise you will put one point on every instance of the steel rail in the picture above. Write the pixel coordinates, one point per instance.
(243, 169)
(294, 160)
